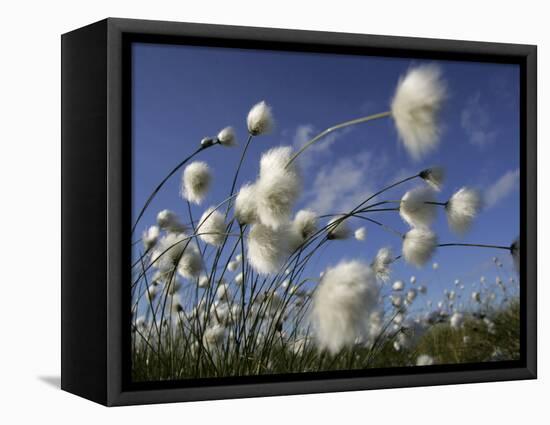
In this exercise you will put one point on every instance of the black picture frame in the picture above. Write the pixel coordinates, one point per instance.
(95, 189)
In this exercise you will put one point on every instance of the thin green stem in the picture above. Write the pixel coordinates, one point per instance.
(337, 127)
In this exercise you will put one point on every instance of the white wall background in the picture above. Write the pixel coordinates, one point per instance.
(30, 212)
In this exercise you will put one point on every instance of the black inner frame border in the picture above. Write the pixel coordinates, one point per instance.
(128, 39)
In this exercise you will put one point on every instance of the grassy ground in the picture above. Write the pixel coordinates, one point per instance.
(492, 337)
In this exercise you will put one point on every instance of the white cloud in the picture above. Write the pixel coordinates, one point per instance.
(501, 188)
(476, 122)
(340, 186)
(305, 133)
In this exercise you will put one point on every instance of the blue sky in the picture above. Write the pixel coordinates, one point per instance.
(183, 93)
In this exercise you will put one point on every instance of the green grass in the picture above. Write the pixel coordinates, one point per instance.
(180, 358)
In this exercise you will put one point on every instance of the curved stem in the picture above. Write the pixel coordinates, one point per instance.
(337, 127)
(159, 186)
(478, 245)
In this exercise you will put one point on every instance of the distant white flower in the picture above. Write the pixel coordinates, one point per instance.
(211, 228)
(260, 119)
(204, 281)
(176, 305)
(190, 264)
(232, 266)
(411, 295)
(226, 137)
(482, 279)
(416, 207)
(381, 263)
(342, 304)
(222, 293)
(303, 226)
(267, 248)
(169, 250)
(245, 204)
(195, 182)
(434, 176)
(415, 109)
(419, 246)
(238, 258)
(514, 250)
(398, 285)
(169, 221)
(338, 228)
(462, 208)
(150, 237)
(413, 279)
(451, 295)
(424, 360)
(213, 336)
(239, 279)
(435, 266)
(457, 320)
(396, 300)
(476, 296)
(457, 282)
(361, 234)
(277, 187)
(152, 292)
(422, 289)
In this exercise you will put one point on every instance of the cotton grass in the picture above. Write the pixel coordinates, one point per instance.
(419, 245)
(462, 208)
(195, 182)
(415, 108)
(260, 119)
(342, 303)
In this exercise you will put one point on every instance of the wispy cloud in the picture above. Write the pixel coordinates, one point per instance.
(501, 188)
(305, 133)
(340, 186)
(476, 122)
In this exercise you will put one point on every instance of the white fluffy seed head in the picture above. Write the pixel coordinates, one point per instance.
(343, 303)
(415, 108)
(361, 234)
(267, 248)
(304, 225)
(195, 182)
(204, 281)
(462, 208)
(411, 295)
(211, 228)
(260, 119)
(168, 251)
(381, 263)
(239, 279)
(424, 360)
(232, 266)
(338, 228)
(434, 176)
(457, 320)
(398, 285)
(226, 137)
(213, 337)
(419, 246)
(278, 186)
(245, 205)
(150, 237)
(169, 221)
(416, 208)
(190, 265)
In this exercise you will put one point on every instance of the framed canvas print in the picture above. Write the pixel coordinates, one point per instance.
(252, 212)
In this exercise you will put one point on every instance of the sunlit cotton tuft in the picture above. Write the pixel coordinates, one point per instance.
(267, 248)
(415, 109)
(211, 228)
(419, 246)
(260, 119)
(462, 209)
(342, 304)
(417, 208)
